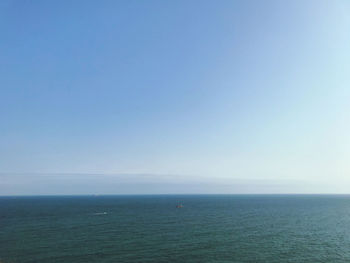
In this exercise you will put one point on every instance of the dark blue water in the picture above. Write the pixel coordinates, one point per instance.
(209, 228)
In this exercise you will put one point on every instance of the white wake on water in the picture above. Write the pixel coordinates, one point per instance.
(100, 213)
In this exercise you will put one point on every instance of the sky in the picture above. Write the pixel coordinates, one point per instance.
(149, 97)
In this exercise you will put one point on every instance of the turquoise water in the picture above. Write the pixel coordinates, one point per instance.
(209, 228)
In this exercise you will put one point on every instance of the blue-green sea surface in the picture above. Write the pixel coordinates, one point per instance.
(208, 228)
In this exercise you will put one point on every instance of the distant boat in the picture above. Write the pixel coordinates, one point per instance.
(179, 206)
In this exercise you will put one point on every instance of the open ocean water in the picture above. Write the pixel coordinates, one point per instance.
(208, 228)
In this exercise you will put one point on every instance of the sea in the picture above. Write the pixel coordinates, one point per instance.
(150, 228)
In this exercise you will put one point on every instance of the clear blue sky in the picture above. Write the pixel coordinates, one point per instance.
(174, 96)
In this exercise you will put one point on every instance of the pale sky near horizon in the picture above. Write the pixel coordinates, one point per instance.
(176, 94)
